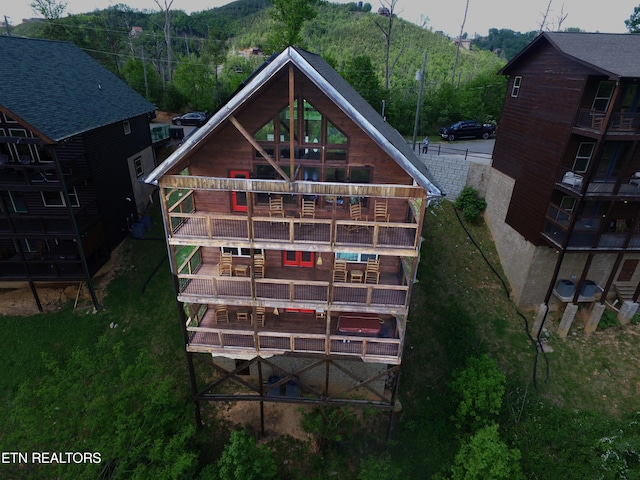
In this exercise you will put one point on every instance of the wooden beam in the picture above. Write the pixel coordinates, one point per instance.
(292, 125)
(299, 187)
(257, 146)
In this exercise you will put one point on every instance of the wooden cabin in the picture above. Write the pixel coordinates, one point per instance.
(74, 144)
(564, 194)
(293, 221)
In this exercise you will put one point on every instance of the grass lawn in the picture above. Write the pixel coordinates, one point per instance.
(460, 308)
(586, 388)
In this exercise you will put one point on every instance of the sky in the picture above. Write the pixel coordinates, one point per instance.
(445, 15)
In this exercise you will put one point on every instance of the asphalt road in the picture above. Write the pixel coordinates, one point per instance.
(479, 151)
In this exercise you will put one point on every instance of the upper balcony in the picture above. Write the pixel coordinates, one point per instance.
(304, 224)
(619, 123)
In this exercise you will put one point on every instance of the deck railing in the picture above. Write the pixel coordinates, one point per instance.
(294, 230)
(619, 122)
(291, 290)
(373, 349)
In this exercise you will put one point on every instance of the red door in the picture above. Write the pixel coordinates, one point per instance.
(298, 259)
(239, 199)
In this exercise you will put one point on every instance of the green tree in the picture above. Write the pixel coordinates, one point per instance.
(145, 81)
(479, 388)
(243, 459)
(49, 9)
(361, 75)
(194, 81)
(485, 457)
(633, 23)
(125, 409)
(290, 16)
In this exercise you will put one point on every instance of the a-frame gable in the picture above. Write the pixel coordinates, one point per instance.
(334, 88)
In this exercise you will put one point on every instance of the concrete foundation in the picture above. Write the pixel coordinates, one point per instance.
(594, 318)
(537, 323)
(627, 310)
(567, 319)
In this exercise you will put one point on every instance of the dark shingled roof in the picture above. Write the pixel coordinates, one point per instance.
(336, 88)
(614, 54)
(60, 91)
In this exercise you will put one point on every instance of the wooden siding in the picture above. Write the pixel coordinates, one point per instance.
(107, 150)
(533, 135)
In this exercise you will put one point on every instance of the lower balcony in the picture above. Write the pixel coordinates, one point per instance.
(285, 331)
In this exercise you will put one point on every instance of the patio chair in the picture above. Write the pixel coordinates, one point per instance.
(372, 271)
(259, 317)
(339, 270)
(380, 213)
(276, 207)
(225, 267)
(355, 212)
(308, 209)
(221, 314)
(258, 265)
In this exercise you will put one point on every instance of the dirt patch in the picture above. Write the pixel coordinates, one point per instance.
(19, 301)
(279, 418)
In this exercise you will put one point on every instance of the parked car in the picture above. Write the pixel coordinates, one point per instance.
(192, 118)
(467, 129)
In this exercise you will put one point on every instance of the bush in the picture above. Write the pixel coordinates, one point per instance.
(470, 203)
(484, 456)
(479, 387)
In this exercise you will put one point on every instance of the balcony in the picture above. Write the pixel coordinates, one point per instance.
(309, 289)
(194, 228)
(619, 123)
(606, 187)
(293, 332)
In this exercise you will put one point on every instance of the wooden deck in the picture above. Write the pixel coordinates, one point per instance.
(192, 228)
(305, 288)
(293, 332)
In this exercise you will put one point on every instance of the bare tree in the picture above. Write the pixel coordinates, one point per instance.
(455, 63)
(166, 10)
(386, 27)
(559, 21)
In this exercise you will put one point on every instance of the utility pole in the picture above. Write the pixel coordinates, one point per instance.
(419, 106)
(6, 24)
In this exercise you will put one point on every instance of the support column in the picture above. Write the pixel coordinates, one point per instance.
(594, 318)
(627, 310)
(543, 308)
(567, 319)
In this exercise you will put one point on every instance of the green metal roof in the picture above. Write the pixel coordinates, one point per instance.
(61, 91)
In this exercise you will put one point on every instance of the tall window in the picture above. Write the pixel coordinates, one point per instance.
(137, 165)
(316, 138)
(515, 89)
(603, 96)
(583, 157)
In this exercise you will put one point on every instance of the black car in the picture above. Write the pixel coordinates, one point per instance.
(467, 129)
(192, 118)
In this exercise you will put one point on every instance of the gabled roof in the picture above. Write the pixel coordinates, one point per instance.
(335, 88)
(612, 54)
(60, 91)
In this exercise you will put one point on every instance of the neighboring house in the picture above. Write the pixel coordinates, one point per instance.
(293, 224)
(74, 144)
(564, 194)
